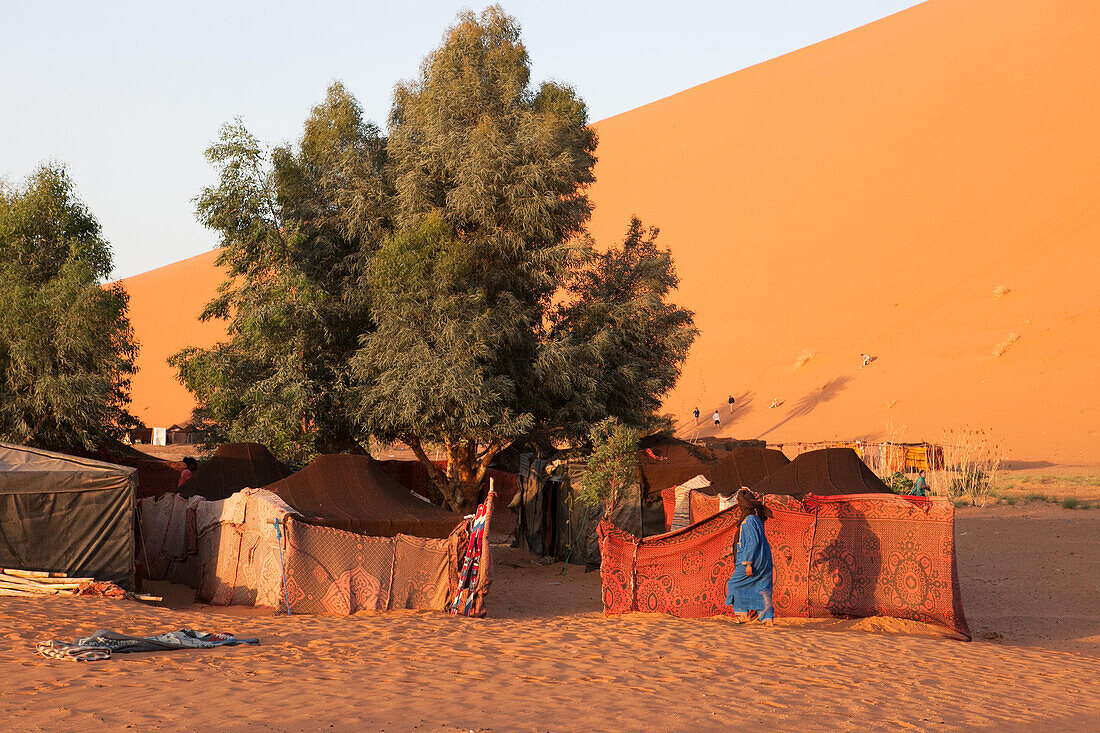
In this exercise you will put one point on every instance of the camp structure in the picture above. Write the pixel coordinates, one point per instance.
(866, 555)
(234, 466)
(551, 519)
(355, 494)
(665, 462)
(257, 548)
(66, 514)
(824, 472)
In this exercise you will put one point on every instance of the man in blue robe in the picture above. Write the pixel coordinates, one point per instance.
(750, 587)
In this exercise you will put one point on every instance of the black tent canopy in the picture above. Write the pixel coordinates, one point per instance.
(66, 514)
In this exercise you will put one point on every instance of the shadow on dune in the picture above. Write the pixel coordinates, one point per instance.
(807, 404)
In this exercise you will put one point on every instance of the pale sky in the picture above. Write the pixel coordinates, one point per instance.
(130, 94)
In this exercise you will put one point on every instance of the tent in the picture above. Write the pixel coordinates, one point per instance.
(551, 520)
(868, 555)
(824, 472)
(253, 549)
(234, 466)
(355, 494)
(66, 514)
(727, 464)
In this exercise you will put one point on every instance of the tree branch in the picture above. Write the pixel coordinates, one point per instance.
(438, 477)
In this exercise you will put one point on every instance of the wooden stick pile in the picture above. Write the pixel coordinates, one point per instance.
(41, 583)
(37, 583)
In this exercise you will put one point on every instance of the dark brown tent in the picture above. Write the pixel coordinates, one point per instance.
(666, 462)
(66, 514)
(825, 472)
(739, 467)
(353, 493)
(234, 466)
(727, 464)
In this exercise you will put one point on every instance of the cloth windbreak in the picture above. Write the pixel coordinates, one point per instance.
(867, 555)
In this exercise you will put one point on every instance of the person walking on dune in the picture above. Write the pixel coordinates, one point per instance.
(866, 359)
(749, 590)
(696, 413)
(717, 419)
(731, 401)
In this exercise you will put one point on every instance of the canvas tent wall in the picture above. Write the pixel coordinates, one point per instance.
(354, 494)
(234, 466)
(66, 514)
(870, 555)
(235, 556)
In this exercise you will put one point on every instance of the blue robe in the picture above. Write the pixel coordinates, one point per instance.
(752, 592)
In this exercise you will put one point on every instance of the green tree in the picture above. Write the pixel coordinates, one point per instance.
(626, 340)
(612, 464)
(470, 352)
(295, 224)
(66, 346)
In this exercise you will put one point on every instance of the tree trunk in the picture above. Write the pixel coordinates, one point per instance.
(466, 468)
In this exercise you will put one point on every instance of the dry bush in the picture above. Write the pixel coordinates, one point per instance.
(971, 461)
(804, 357)
(1001, 291)
(1005, 345)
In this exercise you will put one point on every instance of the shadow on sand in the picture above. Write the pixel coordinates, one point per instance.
(807, 404)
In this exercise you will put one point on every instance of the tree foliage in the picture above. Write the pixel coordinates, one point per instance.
(612, 464)
(294, 224)
(470, 351)
(66, 346)
(436, 286)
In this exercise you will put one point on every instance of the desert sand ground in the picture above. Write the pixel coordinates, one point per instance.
(546, 659)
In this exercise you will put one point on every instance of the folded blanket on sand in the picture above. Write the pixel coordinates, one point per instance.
(103, 643)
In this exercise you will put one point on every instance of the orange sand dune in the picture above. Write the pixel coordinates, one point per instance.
(866, 194)
(164, 307)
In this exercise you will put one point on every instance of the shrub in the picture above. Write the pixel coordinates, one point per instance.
(1071, 502)
(899, 483)
(613, 465)
(971, 464)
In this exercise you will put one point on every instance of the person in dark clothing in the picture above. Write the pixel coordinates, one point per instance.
(696, 413)
(731, 401)
(190, 465)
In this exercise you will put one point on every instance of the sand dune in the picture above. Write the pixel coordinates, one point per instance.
(869, 194)
(920, 189)
(547, 659)
(164, 307)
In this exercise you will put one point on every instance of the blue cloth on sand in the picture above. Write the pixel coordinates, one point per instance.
(752, 592)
